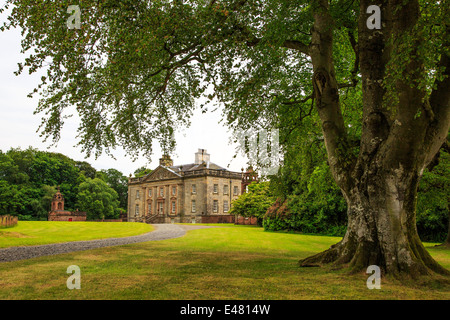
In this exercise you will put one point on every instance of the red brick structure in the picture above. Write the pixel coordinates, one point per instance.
(7, 221)
(246, 220)
(229, 218)
(248, 177)
(57, 212)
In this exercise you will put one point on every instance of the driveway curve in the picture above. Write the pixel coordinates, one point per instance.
(161, 232)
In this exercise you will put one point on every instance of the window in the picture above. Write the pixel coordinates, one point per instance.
(194, 188)
(225, 189)
(173, 206)
(216, 188)
(193, 208)
(150, 193)
(235, 190)
(174, 191)
(225, 206)
(136, 212)
(149, 208)
(215, 205)
(161, 192)
(137, 194)
(160, 208)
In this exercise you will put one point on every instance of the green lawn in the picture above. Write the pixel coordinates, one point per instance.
(218, 263)
(28, 233)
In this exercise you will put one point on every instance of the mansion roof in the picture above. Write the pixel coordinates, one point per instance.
(199, 168)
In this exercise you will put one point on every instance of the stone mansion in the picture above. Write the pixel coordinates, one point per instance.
(185, 193)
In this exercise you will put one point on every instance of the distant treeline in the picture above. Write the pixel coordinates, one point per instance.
(29, 178)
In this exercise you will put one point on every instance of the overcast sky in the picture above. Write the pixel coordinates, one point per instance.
(18, 125)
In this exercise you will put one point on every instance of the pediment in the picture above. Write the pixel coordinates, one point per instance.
(161, 173)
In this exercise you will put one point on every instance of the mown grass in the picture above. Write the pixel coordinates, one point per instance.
(218, 263)
(28, 233)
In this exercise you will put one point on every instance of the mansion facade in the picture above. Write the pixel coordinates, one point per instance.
(184, 193)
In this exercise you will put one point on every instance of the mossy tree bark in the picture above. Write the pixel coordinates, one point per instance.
(380, 183)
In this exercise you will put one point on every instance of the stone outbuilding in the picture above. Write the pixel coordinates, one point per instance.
(57, 212)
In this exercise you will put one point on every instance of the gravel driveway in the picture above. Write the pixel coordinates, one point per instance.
(161, 232)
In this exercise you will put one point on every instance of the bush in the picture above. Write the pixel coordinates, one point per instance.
(319, 208)
(254, 202)
(433, 201)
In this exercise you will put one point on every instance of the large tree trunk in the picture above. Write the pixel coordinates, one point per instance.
(381, 227)
(380, 184)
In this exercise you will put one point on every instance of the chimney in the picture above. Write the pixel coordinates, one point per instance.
(201, 156)
(165, 161)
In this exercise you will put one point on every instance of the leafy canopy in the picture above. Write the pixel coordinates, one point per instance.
(134, 68)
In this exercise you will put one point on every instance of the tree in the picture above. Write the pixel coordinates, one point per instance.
(133, 69)
(253, 203)
(142, 171)
(97, 199)
(116, 180)
(9, 202)
(86, 168)
(433, 201)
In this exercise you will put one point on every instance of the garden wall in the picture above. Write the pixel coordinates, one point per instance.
(247, 220)
(218, 219)
(8, 221)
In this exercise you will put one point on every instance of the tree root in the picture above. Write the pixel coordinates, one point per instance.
(358, 257)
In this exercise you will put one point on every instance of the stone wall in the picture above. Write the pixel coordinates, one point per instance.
(246, 220)
(229, 218)
(7, 221)
(66, 216)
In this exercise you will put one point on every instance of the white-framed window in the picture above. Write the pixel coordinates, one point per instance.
(174, 191)
(137, 194)
(225, 189)
(193, 206)
(194, 188)
(173, 206)
(216, 188)
(150, 192)
(136, 210)
(215, 205)
(149, 208)
(235, 190)
(160, 208)
(225, 205)
(161, 192)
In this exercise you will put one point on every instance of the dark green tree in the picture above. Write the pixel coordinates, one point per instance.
(433, 202)
(9, 199)
(86, 168)
(142, 171)
(97, 199)
(116, 180)
(253, 203)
